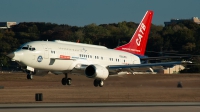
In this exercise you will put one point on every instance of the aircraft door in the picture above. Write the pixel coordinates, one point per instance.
(46, 52)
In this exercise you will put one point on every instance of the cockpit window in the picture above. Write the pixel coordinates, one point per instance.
(25, 48)
(32, 49)
(28, 48)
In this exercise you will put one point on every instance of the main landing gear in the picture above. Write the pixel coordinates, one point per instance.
(98, 82)
(29, 75)
(66, 80)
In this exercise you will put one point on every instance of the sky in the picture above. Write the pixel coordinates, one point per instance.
(85, 12)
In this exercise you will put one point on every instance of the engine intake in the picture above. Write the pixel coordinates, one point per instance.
(96, 71)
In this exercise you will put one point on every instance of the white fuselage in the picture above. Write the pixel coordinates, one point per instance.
(65, 56)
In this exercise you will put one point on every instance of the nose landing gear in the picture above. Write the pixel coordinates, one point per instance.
(29, 75)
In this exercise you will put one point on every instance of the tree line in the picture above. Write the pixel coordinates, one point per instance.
(183, 37)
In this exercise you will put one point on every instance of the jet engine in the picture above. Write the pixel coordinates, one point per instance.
(96, 71)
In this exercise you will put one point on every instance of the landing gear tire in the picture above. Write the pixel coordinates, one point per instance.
(30, 77)
(98, 82)
(64, 81)
(67, 81)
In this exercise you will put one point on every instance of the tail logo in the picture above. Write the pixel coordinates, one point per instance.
(140, 34)
(138, 42)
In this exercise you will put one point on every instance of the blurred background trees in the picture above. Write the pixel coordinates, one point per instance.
(183, 37)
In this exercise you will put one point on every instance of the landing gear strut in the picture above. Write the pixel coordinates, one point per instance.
(98, 82)
(29, 75)
(66, 80)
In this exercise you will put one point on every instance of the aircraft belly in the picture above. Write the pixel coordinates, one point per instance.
(61, 65)
(58, 65)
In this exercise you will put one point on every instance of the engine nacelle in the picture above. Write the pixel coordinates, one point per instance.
(96, 71)
(40, 72)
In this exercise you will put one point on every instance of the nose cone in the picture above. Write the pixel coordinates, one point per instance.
(11, 55)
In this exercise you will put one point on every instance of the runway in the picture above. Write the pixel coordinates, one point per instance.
(139, 93)
(99, 107)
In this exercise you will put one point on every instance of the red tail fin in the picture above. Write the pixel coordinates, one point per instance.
(137, 44)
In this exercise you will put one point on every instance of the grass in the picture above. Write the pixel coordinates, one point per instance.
(129, 88)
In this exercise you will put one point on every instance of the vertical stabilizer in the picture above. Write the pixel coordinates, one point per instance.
(138, 42)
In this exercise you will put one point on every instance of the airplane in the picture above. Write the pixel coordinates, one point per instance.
(93, 61)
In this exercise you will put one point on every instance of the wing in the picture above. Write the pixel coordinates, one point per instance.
(164, 64)
(164, 57)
